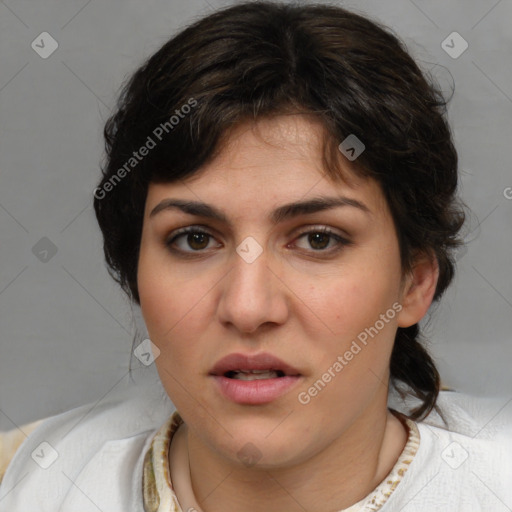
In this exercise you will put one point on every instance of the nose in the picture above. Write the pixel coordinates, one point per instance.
(253, 294)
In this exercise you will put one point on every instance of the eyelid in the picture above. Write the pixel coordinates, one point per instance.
(196, 228)
(342, 239)
(322, 228)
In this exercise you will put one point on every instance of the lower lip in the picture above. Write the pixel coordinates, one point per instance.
(253, 392)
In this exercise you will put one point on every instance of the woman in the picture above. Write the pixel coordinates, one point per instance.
(279, 197)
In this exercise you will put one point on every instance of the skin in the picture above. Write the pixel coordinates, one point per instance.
(302, 301)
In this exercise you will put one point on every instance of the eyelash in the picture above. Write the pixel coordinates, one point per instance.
(341, 241)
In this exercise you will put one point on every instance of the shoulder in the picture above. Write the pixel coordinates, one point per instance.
(470, 415)
(88, 457)
(10, 442)
(464, 459)
(473, 417)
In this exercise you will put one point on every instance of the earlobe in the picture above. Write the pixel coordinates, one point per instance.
(418, 291)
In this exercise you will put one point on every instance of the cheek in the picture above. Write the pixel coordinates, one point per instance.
(346, 303)
(160, 301)
(164, 304)
(351, 358)
(347, 324)
(156, 300)
(176, 307)
(165, 293)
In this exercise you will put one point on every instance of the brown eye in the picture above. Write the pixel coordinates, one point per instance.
(197, 240)
(319, 239)
(190, 238)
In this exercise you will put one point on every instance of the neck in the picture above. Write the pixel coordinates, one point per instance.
(333, 479)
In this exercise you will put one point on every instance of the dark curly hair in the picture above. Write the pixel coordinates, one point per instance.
(262, 58)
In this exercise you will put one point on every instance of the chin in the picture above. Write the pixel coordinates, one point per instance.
(262, 448)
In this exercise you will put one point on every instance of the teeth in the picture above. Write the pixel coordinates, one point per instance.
(255, 374)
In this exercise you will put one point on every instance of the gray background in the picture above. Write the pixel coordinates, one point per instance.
(66, 329)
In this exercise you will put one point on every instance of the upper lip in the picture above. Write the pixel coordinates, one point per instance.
(262, 361)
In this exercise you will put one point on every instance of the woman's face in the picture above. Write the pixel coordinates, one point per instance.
(326, 306)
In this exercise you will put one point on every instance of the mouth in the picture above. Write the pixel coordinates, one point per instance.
(253, 379)
(253, 367)
(254, 374)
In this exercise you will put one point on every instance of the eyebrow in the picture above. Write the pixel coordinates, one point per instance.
(280, 214)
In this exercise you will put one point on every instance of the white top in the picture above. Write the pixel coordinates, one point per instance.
(91, 459)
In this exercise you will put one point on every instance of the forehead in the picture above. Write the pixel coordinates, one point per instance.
(275, 160)
(271, 143)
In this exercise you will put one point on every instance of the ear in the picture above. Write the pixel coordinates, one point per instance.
(418, 290)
